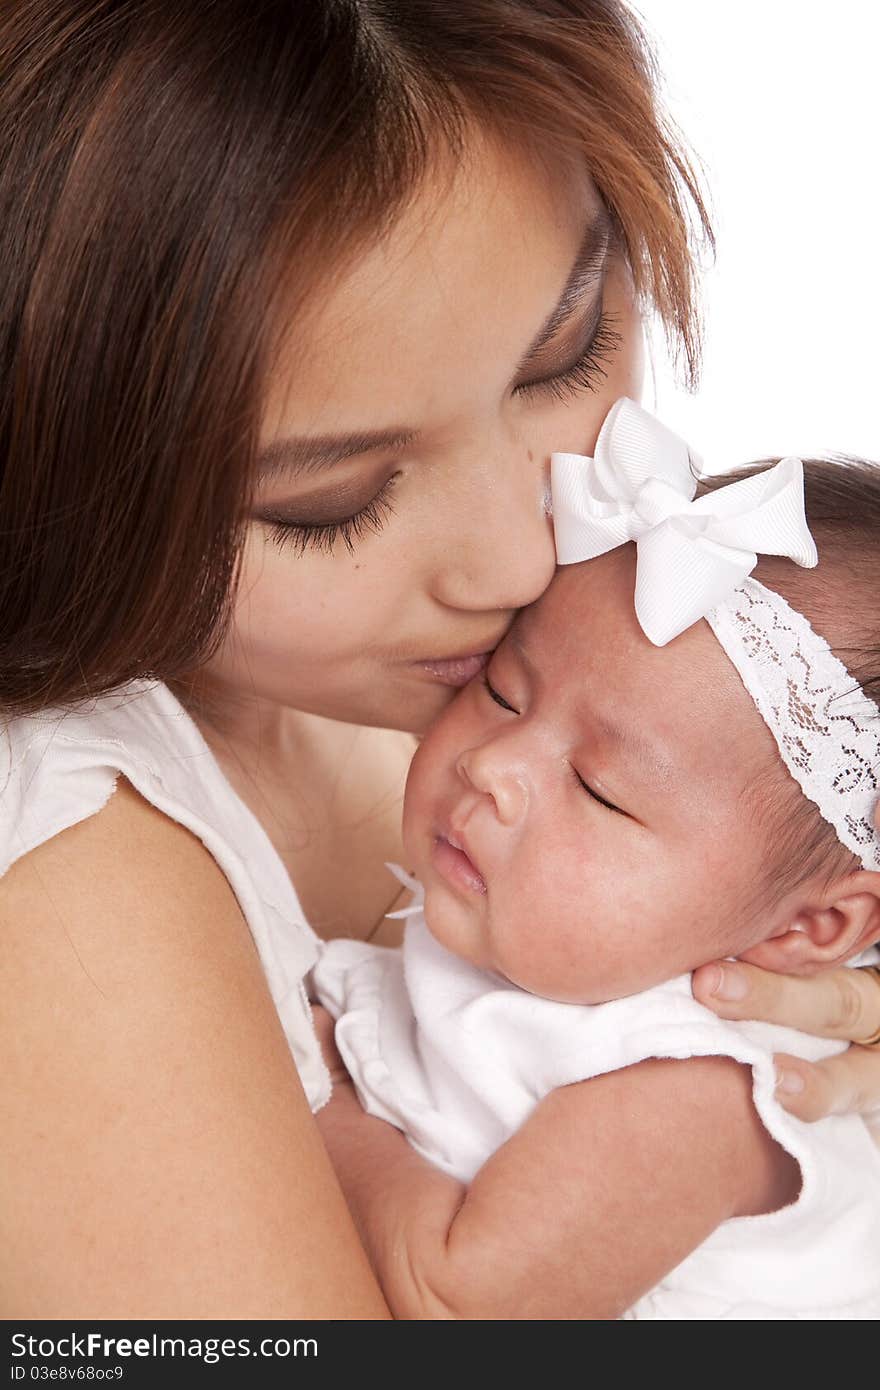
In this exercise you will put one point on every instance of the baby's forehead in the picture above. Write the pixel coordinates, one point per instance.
(685, 697)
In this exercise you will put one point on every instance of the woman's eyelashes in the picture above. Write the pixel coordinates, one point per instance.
(586, 373)
(324, 535)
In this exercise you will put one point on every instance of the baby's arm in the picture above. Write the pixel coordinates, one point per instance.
(605, 1189)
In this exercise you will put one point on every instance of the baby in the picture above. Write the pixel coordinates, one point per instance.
(626, 793)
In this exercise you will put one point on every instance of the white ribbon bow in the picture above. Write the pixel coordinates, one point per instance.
(639, 487)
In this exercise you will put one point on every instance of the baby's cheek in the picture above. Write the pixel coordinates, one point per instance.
(545, 926)
(589, 928)
(419, 809)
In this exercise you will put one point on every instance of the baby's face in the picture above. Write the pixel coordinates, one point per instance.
(579, 819)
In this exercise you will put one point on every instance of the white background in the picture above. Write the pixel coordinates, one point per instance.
(780, 101)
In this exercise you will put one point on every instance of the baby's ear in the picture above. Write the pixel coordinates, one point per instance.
(840, 923)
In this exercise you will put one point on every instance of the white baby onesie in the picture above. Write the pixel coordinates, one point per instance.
(457, 1058)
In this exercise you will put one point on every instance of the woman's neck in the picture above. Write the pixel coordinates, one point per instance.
(241, 721)
(329, 795)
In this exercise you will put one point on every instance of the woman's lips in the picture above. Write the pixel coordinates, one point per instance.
(452, 861)
(456, 671)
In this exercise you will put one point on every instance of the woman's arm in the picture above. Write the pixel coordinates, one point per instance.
(608, 1186)
(837, 1004)
(162, 1160)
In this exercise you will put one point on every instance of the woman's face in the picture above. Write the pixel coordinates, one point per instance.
(400, 519)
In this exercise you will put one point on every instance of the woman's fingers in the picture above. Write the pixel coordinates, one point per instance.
(839, 1004)
(839, 1085)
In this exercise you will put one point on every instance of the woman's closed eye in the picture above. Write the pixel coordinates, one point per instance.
(585, 373)
(324, 535)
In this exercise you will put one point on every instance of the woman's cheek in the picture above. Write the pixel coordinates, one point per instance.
(287, 602)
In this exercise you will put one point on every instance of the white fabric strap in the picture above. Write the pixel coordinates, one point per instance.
(418, 893)
(639, 486)
(826, 728)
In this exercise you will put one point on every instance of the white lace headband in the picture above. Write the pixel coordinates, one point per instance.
(694, 559)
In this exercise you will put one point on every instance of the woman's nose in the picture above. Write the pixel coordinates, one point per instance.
(499, 553)
(490, 770)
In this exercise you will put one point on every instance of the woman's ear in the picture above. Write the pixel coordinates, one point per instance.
(837, 926)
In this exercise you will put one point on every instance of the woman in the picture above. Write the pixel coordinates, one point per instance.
(297, 302)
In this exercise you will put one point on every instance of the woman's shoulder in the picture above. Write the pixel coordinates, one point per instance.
(124, 902)
(122, 881)
(123, 798)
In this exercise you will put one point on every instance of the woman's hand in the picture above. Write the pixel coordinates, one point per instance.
(839, 1004)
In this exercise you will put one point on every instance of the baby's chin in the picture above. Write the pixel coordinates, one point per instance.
(450, 926)
(583, 993)
(461, 937)
(587, 989)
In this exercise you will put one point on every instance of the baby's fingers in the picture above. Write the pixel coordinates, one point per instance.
(839, 1085)
(325, 1031)
(837, 1004)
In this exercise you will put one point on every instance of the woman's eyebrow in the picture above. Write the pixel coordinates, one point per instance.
(304, 454)
(588, 265)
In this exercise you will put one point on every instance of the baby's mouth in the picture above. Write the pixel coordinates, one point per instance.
(452, 860)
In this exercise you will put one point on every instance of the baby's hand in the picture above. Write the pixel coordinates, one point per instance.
(325, 1032)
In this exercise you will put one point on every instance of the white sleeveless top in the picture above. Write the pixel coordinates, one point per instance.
(60, 766)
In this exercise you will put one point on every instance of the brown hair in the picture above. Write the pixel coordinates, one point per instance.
(164, 171)
(841, 598)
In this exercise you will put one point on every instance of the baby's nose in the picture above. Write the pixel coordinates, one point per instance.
(488, 771)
